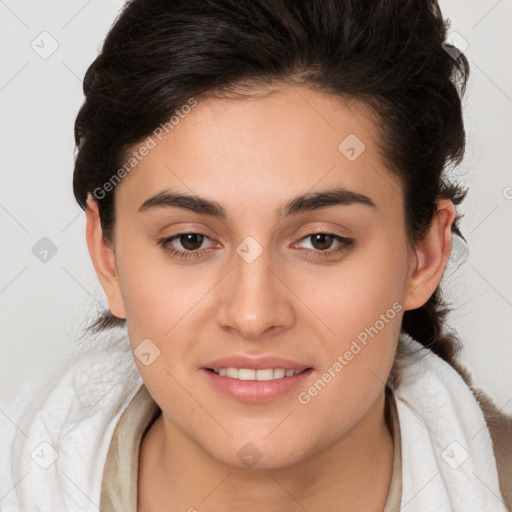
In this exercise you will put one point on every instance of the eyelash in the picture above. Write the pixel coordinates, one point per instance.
(346, 245)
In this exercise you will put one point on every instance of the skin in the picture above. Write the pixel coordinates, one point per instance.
(252, 156)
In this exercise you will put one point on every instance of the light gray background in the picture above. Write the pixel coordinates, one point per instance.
(44, 305)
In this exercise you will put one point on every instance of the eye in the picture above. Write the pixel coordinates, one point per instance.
(191, 243)
(321, 242)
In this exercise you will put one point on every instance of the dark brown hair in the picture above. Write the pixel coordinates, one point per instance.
(388, 54)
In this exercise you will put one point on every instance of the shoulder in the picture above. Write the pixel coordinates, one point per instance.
(500, 429)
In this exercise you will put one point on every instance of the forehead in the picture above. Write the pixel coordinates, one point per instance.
(263, 149)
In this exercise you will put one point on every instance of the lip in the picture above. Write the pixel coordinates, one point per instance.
(255, 363)
(256, 391)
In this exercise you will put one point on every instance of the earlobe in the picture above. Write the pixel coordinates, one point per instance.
(103, 259)
(430, 256)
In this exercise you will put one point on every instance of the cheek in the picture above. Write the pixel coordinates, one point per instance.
(156, 292)
(357, 360)
(356, 293)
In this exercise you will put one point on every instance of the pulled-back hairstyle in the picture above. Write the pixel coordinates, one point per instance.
(388, 54)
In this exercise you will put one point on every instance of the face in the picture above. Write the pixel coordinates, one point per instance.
(254, 278)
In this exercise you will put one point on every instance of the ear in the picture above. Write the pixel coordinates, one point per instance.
(430, 256)
(103, 259)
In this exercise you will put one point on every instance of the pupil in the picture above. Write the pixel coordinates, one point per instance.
(321, 238)
(191, 240)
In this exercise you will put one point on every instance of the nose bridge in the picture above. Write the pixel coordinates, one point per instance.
(255, 298)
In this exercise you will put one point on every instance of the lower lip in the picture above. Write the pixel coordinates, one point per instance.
(256, 391)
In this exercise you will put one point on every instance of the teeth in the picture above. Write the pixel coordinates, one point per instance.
(244, 374)
(248, 374)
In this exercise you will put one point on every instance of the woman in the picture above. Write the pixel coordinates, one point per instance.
(268, 215)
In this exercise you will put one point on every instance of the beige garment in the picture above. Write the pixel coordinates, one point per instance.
(119, 483)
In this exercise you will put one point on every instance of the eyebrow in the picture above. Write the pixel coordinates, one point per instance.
(300, 204)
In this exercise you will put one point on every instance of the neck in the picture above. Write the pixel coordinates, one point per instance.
(353, 473)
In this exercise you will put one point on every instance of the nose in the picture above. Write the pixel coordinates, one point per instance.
(255, 299)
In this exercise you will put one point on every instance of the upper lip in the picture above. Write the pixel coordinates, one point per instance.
(255, 363)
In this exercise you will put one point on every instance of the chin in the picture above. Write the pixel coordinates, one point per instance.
(258, 454)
